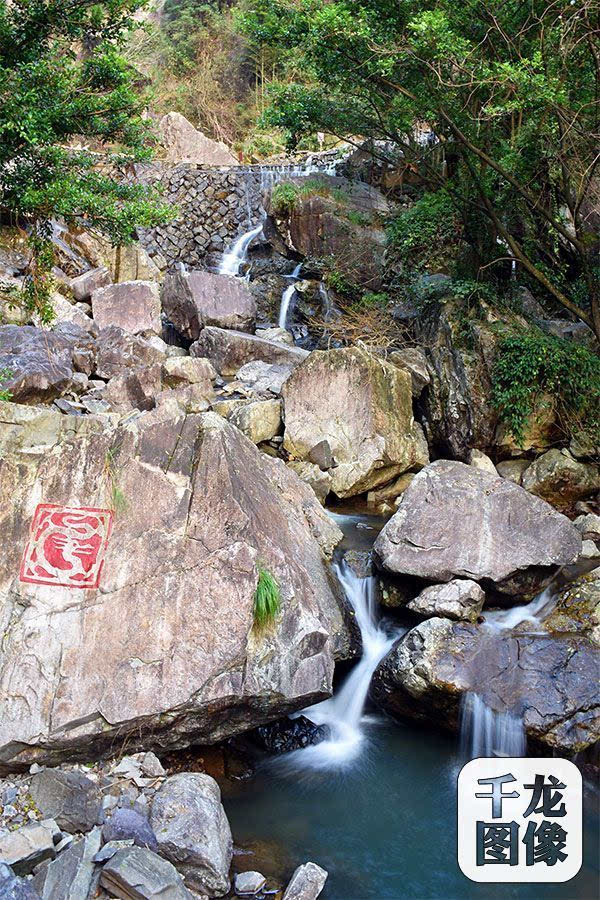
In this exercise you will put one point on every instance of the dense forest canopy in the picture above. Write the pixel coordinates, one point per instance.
(511, 90)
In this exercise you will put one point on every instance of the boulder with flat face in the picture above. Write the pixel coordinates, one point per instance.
(560, 479)
(456, 521)
(127, 612)
(192, 300)
(133, 306)
(460, 599)
(184, 143)
(362, 406)
(40, 365)
(229, 350)
(193, 832)
(548, 681)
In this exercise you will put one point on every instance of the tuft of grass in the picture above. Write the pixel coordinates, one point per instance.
(5, 394)
(267, 599)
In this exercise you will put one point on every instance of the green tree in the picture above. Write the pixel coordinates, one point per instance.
(511, 91)
(64, 82)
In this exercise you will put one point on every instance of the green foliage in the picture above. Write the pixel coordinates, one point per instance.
(531, 364)
(62, 77)
(267, 599)
(5, 394)
(510, 93)
(284, 197)
(429, 225)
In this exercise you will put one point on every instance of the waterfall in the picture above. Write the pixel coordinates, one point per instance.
(506, 619)
(485, 732)
(343, 713)
(238, 252)
(287, 295)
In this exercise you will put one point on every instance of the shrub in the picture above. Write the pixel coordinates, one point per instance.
(5, 394)
(531, 364)
(267, 599)
(431, 224)
(284, 197)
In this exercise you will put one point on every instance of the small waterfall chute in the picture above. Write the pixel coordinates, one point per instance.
(487, 732)
(343, 713)
(531, 613)
(238, 252)
(288, 295)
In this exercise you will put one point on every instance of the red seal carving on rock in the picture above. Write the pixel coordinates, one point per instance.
(66, 546)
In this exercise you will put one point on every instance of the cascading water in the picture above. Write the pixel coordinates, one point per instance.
(238, 252)
(485, 732)
(343, 713)
(286, 297)
(507, 619)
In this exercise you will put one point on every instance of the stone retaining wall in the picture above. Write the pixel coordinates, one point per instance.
(216, 205)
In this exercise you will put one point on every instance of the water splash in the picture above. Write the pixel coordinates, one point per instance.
(343, 713)
(486, 732)
(532, 613)
(287, 296)
(238, 252)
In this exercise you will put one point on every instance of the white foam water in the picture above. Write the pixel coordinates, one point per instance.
(343, 713)
(287, 296)
(487, 732)
(533, 613)
(238, 252)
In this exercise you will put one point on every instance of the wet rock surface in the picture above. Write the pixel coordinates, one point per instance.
(548, 680)
(289, 734)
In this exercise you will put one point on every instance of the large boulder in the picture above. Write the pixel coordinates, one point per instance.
(135, 873)
(456, 521)
(551, 682)
(193, 832)
(126, 604)
(560, 479)
(338, 220)
(362, 406)
(119, 352)
(184, 143)
(41, 364)
(228, 350)
(132, 305)
(192, 300)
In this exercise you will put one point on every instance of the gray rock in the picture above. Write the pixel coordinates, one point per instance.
(133, 306)
(42, 363)
(560, 479)
(69, 798)
(193, 832)
(30, 845)
(119, 352)
(481, 460)
(319, 481)
(138, 389)
(322, 456)
(138, 874)
(70, 875)
(200, 504)
(181, 370)
(457, 521)
(588, 526)
(109, 849)
(127, 824)
(84, 285)
(14, 888)
(362, 406)
(192, 300)
(513, 469)
(415, 362)
(230, 350)
(550, 680)
(264, 377)
(306, 883)
(246, 883)
(458, 599)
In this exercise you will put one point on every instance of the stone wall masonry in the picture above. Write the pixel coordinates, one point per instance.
(216, 205)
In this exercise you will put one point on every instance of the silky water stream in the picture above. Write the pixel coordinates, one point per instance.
(375, 804)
